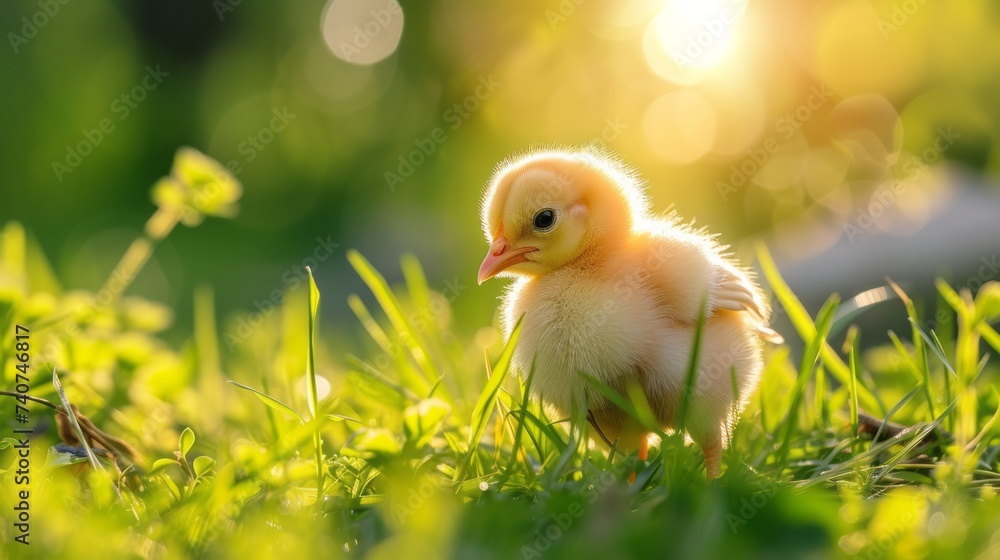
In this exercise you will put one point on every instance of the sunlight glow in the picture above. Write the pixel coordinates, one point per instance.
(680, 126)
(689, 37)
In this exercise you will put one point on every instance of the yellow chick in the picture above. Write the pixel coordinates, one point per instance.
(606, 288)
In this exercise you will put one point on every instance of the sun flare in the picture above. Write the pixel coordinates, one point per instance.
(690, 37)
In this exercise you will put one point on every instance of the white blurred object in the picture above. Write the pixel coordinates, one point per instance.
(960, 241)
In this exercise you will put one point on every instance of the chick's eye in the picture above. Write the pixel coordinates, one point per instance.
(544, 219)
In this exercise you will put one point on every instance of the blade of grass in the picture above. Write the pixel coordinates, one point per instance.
(74, 423)
(499, 426)
(621, 402)
(371, 374)
(819, 398)
(515, 451)
(987, 432)
(854, 307)
(852, 389)
(945, 320)
(408, 375)
(806, 328)
(935, 346)
(368, 322)
(912, 444)
(887, 467)
(967, 342)
(773, 370)
(272, 415)
(576, 428)
(861, 460)
(824, 320)
(78, 431)
(311, 381)
(691, 377)
(730, 453)
(269, 400)
(420, 296)
(990, 335)
(920, 350)
(837, 449)
(921, 374)
(393, 310)
(539, 430)
(416, 282)
(885, 421)
(487, 399)
(544, 429)
(951, 297)
(643, 411)
(637, 408)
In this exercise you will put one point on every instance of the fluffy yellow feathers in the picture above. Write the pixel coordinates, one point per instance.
(605, 288)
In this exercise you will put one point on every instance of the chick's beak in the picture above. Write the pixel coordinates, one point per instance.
(501, 257)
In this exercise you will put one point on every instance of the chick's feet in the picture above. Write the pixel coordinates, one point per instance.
(713, 459)
(643, 454)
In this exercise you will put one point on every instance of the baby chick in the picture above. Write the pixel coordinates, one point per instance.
(606, 288)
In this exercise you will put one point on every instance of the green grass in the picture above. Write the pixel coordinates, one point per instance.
(422, 448)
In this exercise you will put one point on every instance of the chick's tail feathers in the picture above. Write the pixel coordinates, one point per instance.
(737, 293)
(770, 335)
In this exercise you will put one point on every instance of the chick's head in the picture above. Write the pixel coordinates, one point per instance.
(544, 211)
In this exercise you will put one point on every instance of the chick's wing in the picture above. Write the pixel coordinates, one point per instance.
(684, 267)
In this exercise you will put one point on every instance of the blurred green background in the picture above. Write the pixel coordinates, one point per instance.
(858, 139)
(777, 119)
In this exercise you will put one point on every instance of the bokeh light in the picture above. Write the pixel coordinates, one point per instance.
(855, 139)
(689, 37)
(680, 127)
(362, 31)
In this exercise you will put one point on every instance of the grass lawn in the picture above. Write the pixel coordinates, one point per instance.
(419, 446)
